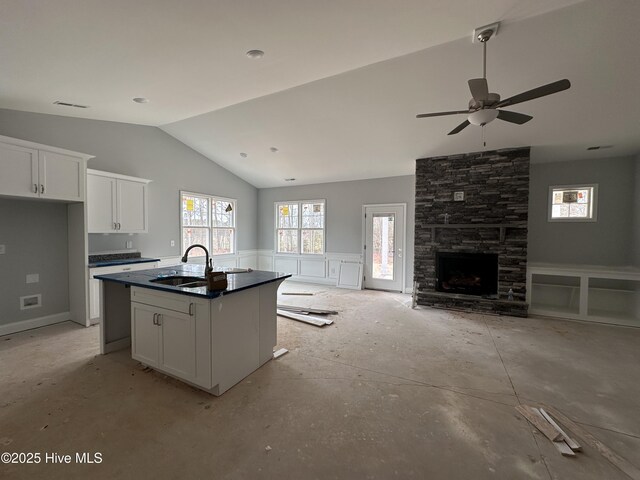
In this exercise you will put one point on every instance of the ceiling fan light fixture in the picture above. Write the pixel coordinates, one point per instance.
(482, 117)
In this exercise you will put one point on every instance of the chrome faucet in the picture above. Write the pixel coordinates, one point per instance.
(208, 268)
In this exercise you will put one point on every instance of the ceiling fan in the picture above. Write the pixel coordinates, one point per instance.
(484, 107)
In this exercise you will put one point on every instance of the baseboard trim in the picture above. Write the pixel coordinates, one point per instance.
(318, 280)
(23, 325)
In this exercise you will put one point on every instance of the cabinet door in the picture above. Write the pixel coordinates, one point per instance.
(145, 335)
(101, 204)
(61, 176)
(94, 299)
(178, 355)
(132, 206)
(19, 168)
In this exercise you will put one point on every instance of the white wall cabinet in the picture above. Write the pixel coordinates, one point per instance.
(116, 203)
(39, 173)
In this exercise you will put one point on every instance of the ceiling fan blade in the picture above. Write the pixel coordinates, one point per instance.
(439, 114)
(459, 127)
(513, 117)
(479, 89)
(543, 91)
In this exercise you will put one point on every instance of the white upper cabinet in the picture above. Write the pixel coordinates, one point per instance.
(116, 203)
(61, 176)
(40, 171)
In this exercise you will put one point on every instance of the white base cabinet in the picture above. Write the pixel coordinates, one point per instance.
(212, 344)
(95, 309)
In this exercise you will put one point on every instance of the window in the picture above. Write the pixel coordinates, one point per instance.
(209, 221)
(573, 203)
(300, 227)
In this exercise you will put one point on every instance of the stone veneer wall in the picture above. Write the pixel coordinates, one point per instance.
(496, 191)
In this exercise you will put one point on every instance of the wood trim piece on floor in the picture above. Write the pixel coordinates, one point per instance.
(23, 325)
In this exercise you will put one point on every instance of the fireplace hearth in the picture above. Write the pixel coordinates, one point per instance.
(467, 273)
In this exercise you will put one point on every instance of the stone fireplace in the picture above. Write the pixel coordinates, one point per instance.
(471, 231)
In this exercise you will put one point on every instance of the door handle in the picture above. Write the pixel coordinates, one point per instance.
(35, 188)
(154, 318)
(191, 309)
(41, 188)
(118, 225)
(159, 318)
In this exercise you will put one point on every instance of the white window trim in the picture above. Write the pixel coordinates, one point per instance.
(594, 203)
(299, 229)
(233, 201)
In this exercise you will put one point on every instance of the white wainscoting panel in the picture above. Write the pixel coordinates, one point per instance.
(350, 275)
(286, 265)
(312, 267)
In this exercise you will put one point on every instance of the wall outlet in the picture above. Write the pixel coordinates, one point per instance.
(129, 244)
(173, 243)
(33, 277)
(2, 250)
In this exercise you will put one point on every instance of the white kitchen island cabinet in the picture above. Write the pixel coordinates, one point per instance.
(211, 340)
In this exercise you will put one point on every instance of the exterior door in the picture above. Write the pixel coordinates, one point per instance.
(384, 247)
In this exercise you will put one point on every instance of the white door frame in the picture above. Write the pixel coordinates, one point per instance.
(404, 237)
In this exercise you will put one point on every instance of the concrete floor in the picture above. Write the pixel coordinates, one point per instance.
(384, 392)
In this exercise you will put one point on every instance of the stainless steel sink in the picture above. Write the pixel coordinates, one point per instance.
(181, 281)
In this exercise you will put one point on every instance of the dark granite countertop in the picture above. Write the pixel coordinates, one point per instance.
(122, 261)
(236, 281)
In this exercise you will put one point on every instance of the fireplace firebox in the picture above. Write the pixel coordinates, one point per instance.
(467, 273)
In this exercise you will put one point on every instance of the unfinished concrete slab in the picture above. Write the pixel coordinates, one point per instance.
(384, 392)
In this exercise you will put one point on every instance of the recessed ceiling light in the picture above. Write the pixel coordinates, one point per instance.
(141, 100)
(289, 179)
(243, 155)
(273, 150)
(255, 54)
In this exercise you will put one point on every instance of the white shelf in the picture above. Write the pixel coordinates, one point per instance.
(617, 303)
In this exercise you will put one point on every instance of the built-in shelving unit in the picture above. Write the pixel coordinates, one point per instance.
(502, 226)
(593, 293)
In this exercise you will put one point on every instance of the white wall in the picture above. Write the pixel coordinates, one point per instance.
(609, 241)
(344, 211)
(146, 152)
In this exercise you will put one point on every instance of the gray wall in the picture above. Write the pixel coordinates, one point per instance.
(609, 241)
(35, 236)
(344, 211)
(146, 152)
(636, 212)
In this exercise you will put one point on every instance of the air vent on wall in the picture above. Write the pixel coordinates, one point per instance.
(67, 104)
(30, 301)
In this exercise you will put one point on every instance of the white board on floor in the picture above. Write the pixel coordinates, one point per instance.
(350, 275)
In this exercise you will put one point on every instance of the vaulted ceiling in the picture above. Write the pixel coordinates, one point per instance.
(340, 83)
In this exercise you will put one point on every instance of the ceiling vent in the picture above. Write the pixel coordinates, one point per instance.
(67, 104)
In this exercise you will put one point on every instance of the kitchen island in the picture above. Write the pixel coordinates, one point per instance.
(209, 339)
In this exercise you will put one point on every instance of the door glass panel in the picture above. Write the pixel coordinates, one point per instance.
(383, 245)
